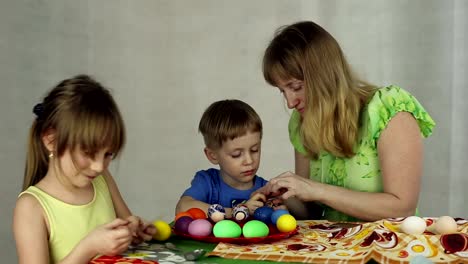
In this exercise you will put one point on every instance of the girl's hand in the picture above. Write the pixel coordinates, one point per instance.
(256, 200)
(109, 239)
(141, 230)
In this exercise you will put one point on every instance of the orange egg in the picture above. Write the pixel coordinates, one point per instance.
(179, 215)
(197, 213)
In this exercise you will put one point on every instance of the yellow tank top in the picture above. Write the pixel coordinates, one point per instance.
(70, 223)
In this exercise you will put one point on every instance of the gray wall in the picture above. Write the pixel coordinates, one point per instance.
(166, 61)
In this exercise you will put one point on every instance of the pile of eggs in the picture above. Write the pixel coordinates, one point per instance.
(196, 223)
(415, 225)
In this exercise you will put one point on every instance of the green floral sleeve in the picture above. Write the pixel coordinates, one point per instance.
(387, 102)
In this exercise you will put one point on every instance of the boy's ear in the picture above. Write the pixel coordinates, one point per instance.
(211, 155)
(48, 139)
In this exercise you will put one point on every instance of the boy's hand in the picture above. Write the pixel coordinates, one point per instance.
(256, 200)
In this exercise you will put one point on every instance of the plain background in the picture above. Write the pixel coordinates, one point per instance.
(166, 61)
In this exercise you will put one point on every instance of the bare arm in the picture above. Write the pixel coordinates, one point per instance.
(31, 235)
(400, 155)
(121, 208)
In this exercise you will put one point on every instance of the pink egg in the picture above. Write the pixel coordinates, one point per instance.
(200, 227)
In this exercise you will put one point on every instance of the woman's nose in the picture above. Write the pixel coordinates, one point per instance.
(291, 101)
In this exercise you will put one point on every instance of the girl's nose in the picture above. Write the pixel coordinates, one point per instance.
(97, 165)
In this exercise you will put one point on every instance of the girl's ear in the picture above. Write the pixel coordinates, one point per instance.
(211, 155)
(48, 139)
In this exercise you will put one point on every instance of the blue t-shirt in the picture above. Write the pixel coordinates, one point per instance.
(208, 186)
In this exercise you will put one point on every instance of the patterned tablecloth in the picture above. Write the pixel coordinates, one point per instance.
(320, 241)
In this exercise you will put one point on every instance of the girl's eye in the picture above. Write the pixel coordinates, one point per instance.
(109, 154)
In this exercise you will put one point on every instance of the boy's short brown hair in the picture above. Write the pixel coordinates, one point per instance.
(228, 119)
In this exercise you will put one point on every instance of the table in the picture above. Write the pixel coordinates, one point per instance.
(321, 241)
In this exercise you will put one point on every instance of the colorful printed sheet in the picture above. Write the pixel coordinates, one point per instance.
(320, 241)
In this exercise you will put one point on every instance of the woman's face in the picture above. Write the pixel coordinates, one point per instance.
(294, 92)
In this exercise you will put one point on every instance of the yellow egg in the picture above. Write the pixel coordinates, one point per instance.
(163, 230)
(286, 223)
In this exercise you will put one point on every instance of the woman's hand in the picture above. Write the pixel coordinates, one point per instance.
(289, 184)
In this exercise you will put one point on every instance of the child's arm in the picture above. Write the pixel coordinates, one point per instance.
(141, 230)
(31, 233)
(187, 202)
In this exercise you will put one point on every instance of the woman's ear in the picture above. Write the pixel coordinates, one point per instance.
(211, 155)
(48, 139)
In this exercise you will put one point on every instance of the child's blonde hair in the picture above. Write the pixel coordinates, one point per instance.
(226, 120)
(334, 95)
(82, 115)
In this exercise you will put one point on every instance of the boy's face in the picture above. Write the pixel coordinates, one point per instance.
(238, 159)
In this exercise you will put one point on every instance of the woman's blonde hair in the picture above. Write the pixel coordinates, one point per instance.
(82, 114)
(334, 95)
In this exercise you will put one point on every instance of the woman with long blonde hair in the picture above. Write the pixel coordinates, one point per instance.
(358, 147)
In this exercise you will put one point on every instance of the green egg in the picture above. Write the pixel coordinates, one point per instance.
(227, 229)
(255, 228)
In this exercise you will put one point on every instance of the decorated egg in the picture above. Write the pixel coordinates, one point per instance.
(263, 214)
(413, 225)
(445, 225)
(182, 224)
(200, 227)
(227, 229)
(286, 223)
(255, 228)
(276, 214)
(216, 212)
(240, 212)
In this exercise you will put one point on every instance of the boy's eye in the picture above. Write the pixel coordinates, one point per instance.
(254, 150)
(235, 155)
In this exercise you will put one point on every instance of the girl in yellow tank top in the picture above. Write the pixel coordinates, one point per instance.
(70, 209)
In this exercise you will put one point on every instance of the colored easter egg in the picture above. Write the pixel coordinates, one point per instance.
(163, 230)
(263, 214)
(200, 227)
(277, 213)
(179, 215)
(216, 212)
(197, 213)
(182, 224)
(227, 229)
(255, 228)
(286, 223)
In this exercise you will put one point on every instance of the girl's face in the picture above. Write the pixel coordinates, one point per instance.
(80, 168)
(294, 92)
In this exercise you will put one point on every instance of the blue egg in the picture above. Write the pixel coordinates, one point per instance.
(277, 213)
(263, 214)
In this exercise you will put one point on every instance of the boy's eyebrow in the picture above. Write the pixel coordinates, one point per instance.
(255, 145)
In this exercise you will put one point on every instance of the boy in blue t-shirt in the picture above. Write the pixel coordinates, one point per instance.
(232, 132)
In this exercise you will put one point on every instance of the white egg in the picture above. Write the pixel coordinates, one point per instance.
(413, 225)
(445, 225)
